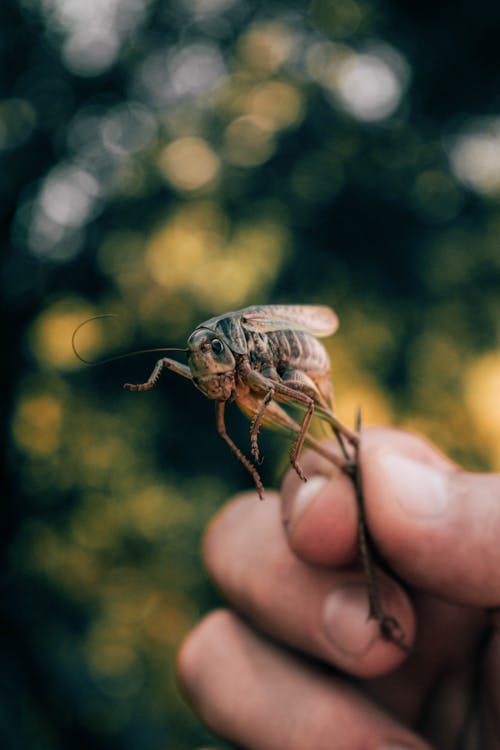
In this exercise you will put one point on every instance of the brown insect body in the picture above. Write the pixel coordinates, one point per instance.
(283, 355)
(259, 356)
(264, 356)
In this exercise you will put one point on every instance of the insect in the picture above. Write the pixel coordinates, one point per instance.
(263, 358)
(259, 357)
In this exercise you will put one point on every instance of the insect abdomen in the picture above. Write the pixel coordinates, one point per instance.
(287, 350)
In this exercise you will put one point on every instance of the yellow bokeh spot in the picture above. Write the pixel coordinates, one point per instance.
(278, 103)
(127, 595)
(375, 408)
(266, 46)
(52, 332)
(37, 424)
(193, 254)
(168, 620)
(177, 249)
(153, 510)
(189, 164)
(482, 398)
(64, 563)
(248, 141)
(112, 658)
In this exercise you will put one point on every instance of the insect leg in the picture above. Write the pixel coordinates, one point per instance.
(259, 382)
(388, 624)
(304, 394)
(221, 429)
(163, 364)
(270, 373)
(278, 419)
(256, 422)
(300, 381)
(298, 386)
(300, 441)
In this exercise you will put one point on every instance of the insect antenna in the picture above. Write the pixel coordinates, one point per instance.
(105, 361)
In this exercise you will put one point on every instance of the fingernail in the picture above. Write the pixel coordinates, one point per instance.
(420, 489)
(304, 498)
(345, 620)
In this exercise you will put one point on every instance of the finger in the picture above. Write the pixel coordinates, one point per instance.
(263, 698)
(437, 526)
(320, 611)
(321, 517)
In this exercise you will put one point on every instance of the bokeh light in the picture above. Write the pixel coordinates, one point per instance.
(248, 141)
(189, 164)
(53, 330)
(370, 85)
(196, 245)
(482, 397)
(475, 156)
(37, 424)
(266, 46)
(93, 31)
(277, 102)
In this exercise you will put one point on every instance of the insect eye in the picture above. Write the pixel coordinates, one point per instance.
(217, 346)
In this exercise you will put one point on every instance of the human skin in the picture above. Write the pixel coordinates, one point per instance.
(295, 663)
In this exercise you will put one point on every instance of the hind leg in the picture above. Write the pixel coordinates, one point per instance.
(277, 389)
(301, 383)
(271, 376)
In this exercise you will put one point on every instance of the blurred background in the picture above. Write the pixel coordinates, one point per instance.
(169, 160)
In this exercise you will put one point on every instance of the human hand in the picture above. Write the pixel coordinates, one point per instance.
(289, 568)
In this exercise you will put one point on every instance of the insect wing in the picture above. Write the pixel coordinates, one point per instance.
(318, 320)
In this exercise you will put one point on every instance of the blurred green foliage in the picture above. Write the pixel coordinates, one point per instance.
(168, 161)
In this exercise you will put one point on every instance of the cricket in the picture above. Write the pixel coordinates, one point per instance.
(263, 358)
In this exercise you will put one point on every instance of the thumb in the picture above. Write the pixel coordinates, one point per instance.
(437, 526)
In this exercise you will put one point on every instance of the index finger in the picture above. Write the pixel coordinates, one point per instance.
(436, 526)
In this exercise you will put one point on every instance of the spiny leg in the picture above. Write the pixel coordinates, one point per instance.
(304, 426)
(340, 441)
(302, 393)
(296, 448)
(257, 381)
(221, 429)
(389, 625)
(163, 364)
(256, 423)
(301, 435)
(340, 431)
(270, 373)
(277, 418)
(301, 383)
